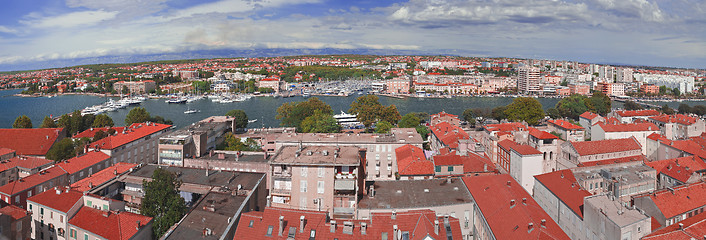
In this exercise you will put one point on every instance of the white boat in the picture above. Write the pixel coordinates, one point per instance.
(347, 120)
(190, 111)
(252, 121)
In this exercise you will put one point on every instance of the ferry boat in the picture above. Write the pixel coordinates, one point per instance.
(347, 120)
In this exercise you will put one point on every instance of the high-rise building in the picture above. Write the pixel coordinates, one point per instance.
(528, 80)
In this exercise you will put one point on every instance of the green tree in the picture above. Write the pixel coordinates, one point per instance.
(383, 127)
(498, 113)
(676, 92)
(137, 115)
(469, 116)
(526, 109)
(65, 122)
(570, 107)
(684, 108)
(76, 122)
(87, 122)
(630, 105)
(62, 150)
(240, 118)
(667, 110)
(162, 201)
(293, 113)
(368, 109)
(320, 123)
(48, 123)
(102, 120)
(390, 114)
(409, 120)
(599, 103)
(125, 90)
(22, 122)
(161, 120)
(662, 90)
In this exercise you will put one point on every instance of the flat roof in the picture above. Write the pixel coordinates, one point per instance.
(213, 213)
(416, 193)
(231, 156)
(215, 178)
(615, 211)
(317, 155)
(396, 135)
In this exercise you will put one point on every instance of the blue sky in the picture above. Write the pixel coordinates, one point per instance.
(641, 32)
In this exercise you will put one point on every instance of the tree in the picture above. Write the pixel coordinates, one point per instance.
(99, 135)
(423, 116)
(320, 123)
(662, 90)
(630, 105)
(65, 122)
(368, 109)
(125, 90)
(102, 120)
(409, 120)
(161, 120)
(293, 113)
(498, 113)
(76, 123)
(383, 127)
(87, 122)
(390, 114)
(162, 201)
(62, 150)
(667, 110)
(240, 118)
(684, 108)
(233, 143)
(48, 123)
(137, 115)
(525, 109)
(599, 103)
(469, 116)
(22, 122)
(676, 92)
(570, 107)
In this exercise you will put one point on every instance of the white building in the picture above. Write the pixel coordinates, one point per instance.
(683, 83)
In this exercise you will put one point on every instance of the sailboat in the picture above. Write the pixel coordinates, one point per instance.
(190, 111)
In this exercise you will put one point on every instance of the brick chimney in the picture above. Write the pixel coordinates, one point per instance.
(333, 226)
(281, 225)
(301, 224)
(436, 227)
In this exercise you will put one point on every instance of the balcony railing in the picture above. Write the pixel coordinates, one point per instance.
(282, 191)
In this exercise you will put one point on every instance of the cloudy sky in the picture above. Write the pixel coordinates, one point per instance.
(643, 32)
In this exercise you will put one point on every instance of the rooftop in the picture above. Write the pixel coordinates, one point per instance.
(678, 168)
(109, 225)
(412, 161)
(102, 176)
(472, 162)
(318, 155)
(415, 194)
(589, 115)
(449, 134)
(31, 181)
(676, 118)
(615, 211)
(566, 125)
(510, 145)
(236, 156)
(638, 113)
(24, 162)
(628, 127)
(679, 199)
(541, 134)
(505, 127)
(82, 162)
(626, 173)
(563, 185)
(29, 141)
(213, 212)
(60, 199)
(14, 212)
(214, 178)
(509, 211)
(586, 148)
(396, 135)
(91, 132)
(638, 158)
(693, 228)
(133, 132)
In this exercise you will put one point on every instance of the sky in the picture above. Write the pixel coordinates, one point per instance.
(637, 32)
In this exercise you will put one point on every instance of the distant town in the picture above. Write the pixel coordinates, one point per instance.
(581, 169)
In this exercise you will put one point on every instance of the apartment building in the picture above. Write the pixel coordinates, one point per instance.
(413, 164)
(494, 133)
(587, 120)
(575, 153)
(137, 87)
(453, 164)
(17, 192)
(135, 144)
(192, 141)
(548, 145)
(678, 171)
(522, 162)
(604, 219)
(113, 225)
(639, 131)
(337, 173)
(21, 166)
(445, 117)
(398, 86)
(628, 116)
(231, 161)
(85, 165)
(567, 130)
(528, 80)
(271, 82)
(447, 135)
(662, 206)
(686, 229)
(15, 223)
(381, 159)
(559, 194)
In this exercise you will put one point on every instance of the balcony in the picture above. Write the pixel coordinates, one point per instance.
(344, 184)
(282, 174)
(281, 191)
(345, 175)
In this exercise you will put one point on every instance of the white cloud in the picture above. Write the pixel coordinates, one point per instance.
(4, 29)
(642, 9)
(74, 19)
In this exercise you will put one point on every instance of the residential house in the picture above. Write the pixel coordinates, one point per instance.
(567, 130)
(575, 153)
(679, 126)
(135, 144)
(21, 166)
(445, 117)
(587, 120)
(678, 171)
(604, 219)
(193, 141)
(691, 228)
(453, 164)
(639, 131)
(521, 161)
(447, 135)
(560, 195)
(15, 223)
(669, 206)
(628, 116)
(17, 192)
(413, 164)
(548, 145)
(114, 225)
(31, 141)
(84, 165)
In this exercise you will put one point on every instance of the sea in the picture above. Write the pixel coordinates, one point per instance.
(264, 109)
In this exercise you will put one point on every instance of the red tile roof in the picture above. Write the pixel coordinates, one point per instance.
(30, 141)
(563, 185)
(90, 133)
(14, 212)
(60, 202)
(443, 114)
(102, 176)
(472, 163)
(676, 118)
(505, 127)
(638, 113)
(694, 228)
(449, 134)
(684, 198)
(31, 181)
(678, 168)
(114, 226)
(656, 137)
(82, 162)
(566, 125)
(589, 115)
(494, 195)
(541, 134)
(508, 144)
(640, 158)
(411, 161)
(606, 146)
(5, 151)
(132, 133)
(24, 162)
(419, 224)
(628, 127)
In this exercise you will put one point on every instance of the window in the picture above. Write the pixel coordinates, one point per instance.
(61, 218)
(302, 186)
(105, 207)
(303, 170)
(30, 207)
(251, 223)
(438, 168)
(320, 187)
(321, 172)
(29, 193)
(269, 231)
(89, 203)
(451, 168)
(85, 236)
(41, 211)
(17, 199)
(72, 233)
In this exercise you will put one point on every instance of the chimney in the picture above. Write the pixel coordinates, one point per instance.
(394, 215)
(544, 223)
(281, 225)
(371, 193)
(269, 198)
(508, 183)
(90, 185)
(138, 225)
(512, 203)
(436, 227)
(58, 192)
(363, 228)
(301, 224)
(681, 226)
(524, 201)
(333, 226)
(530, 226)
(394, 232)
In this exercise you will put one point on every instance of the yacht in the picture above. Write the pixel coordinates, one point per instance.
(347, 120)
(252, 121)
(190, 111)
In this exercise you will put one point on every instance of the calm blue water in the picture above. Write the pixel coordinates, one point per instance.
(261, 108)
